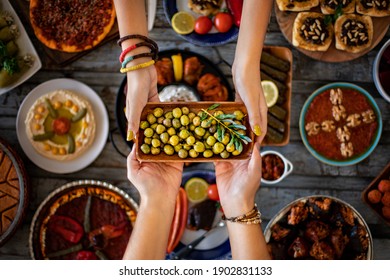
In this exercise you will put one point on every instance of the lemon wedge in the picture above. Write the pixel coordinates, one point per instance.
(196, 189)
(183, 23)
(271, 92)
(177, 61)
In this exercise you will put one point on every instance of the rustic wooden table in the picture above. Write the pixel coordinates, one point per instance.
(99, 70)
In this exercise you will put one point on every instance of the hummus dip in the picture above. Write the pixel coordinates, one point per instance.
(61, 125)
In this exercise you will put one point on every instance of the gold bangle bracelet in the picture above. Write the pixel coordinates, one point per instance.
(138, 66)
(253, 216)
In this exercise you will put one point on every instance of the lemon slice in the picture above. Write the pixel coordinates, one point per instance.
(183, 23)
(177, 61)
(271, 92)
(196, 189)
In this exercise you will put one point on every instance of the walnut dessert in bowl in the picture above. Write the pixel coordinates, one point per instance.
(340, 124)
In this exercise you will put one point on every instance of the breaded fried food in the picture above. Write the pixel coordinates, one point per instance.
(205, 7)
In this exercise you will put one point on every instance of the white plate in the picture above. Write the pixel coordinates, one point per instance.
(25, 47)
(101, 118)
(214, 239)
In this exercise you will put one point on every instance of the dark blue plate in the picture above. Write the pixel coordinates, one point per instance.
(206, 40)
(220, 252)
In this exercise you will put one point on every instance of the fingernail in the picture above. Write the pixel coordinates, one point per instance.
(257, 130)
(130, 135)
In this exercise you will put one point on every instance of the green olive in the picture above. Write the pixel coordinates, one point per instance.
(145, 148)
(217, 148)
(184, 134)
(153, 126)
(156, 136)
(174, 140)
(167, 122)
(192, 127)
(236, 152)
(171, 131)
(184, 120)
(144, 125)
(177, 113)
(187, 147)
(196, 121)
(178, 148)
(160, 120)
(211, 140)
(191, 116)
(239, 115)
(160, 129)
(148, 132)
(224, 154)
(148, 140)
(193, 153)
(155, 150)
(158, 112)
(213, 129)
(230, 147)
(156, 143)
(206, 123)
(226, 139)
(185, 110)
(168, 115)
(217, 113)
(176, 123)
(190, 140)
(151, 118)
(206, 135)
(208, 153)
(199, 147)
(169, 150)
(200, 131)
(182, 153)
(164, 137)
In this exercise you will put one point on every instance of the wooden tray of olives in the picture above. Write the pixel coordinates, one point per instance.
(194, 132)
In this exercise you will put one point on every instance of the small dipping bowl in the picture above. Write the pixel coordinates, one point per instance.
(381, 71)
(287, 168)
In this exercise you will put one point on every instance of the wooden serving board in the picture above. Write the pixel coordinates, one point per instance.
(286, 22)
(22, 7)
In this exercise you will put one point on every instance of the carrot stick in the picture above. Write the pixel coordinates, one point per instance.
(174, 225)
(183, 217)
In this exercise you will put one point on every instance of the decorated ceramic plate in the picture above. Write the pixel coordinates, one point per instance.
(340, 124)
(216, 245)
(53, 154)
(206, 40)
(25, 47)
(83, 220)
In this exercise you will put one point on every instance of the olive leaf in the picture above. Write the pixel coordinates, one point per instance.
(225, 116)
(237, 126)
(212, 107)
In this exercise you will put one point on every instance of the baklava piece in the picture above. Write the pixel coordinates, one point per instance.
(353, 33)
(330, 6)
(374, 8)
(297, 5)
(310, 32)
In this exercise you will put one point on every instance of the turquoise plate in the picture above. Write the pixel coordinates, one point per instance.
(352, 160)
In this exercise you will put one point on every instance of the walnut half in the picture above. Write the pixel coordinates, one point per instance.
(328, 126)
(346, 149)
(368, 116)
(353, 120)
(336, 96)
(338, 112)
(343, 134)
(312, 128)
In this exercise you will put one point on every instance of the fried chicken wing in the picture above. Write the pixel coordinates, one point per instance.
(164, 68)
(192, 70)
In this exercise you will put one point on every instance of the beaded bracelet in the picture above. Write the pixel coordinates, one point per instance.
(131, 58)
(133, 47)
(253, 216)
(137, 36)
(138, 66)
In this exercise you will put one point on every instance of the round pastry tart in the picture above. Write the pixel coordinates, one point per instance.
(83, 220)
(13, 191)
(60, 125)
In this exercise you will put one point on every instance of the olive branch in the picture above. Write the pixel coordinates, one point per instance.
(225, 122)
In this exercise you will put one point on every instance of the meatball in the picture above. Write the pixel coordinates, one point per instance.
(386, 212)
(298, 248)
(374, 196)
(298, 213)
(339, 241)
(316, 230)
(386, 199)
(321, 251)
(384, 185)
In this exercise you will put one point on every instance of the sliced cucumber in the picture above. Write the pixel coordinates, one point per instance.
(80, 114)
(43, 136)
(71, 144)
(53, 113)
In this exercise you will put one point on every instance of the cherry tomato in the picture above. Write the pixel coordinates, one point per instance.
(212, 192)
(203, 25)
(223, 22)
